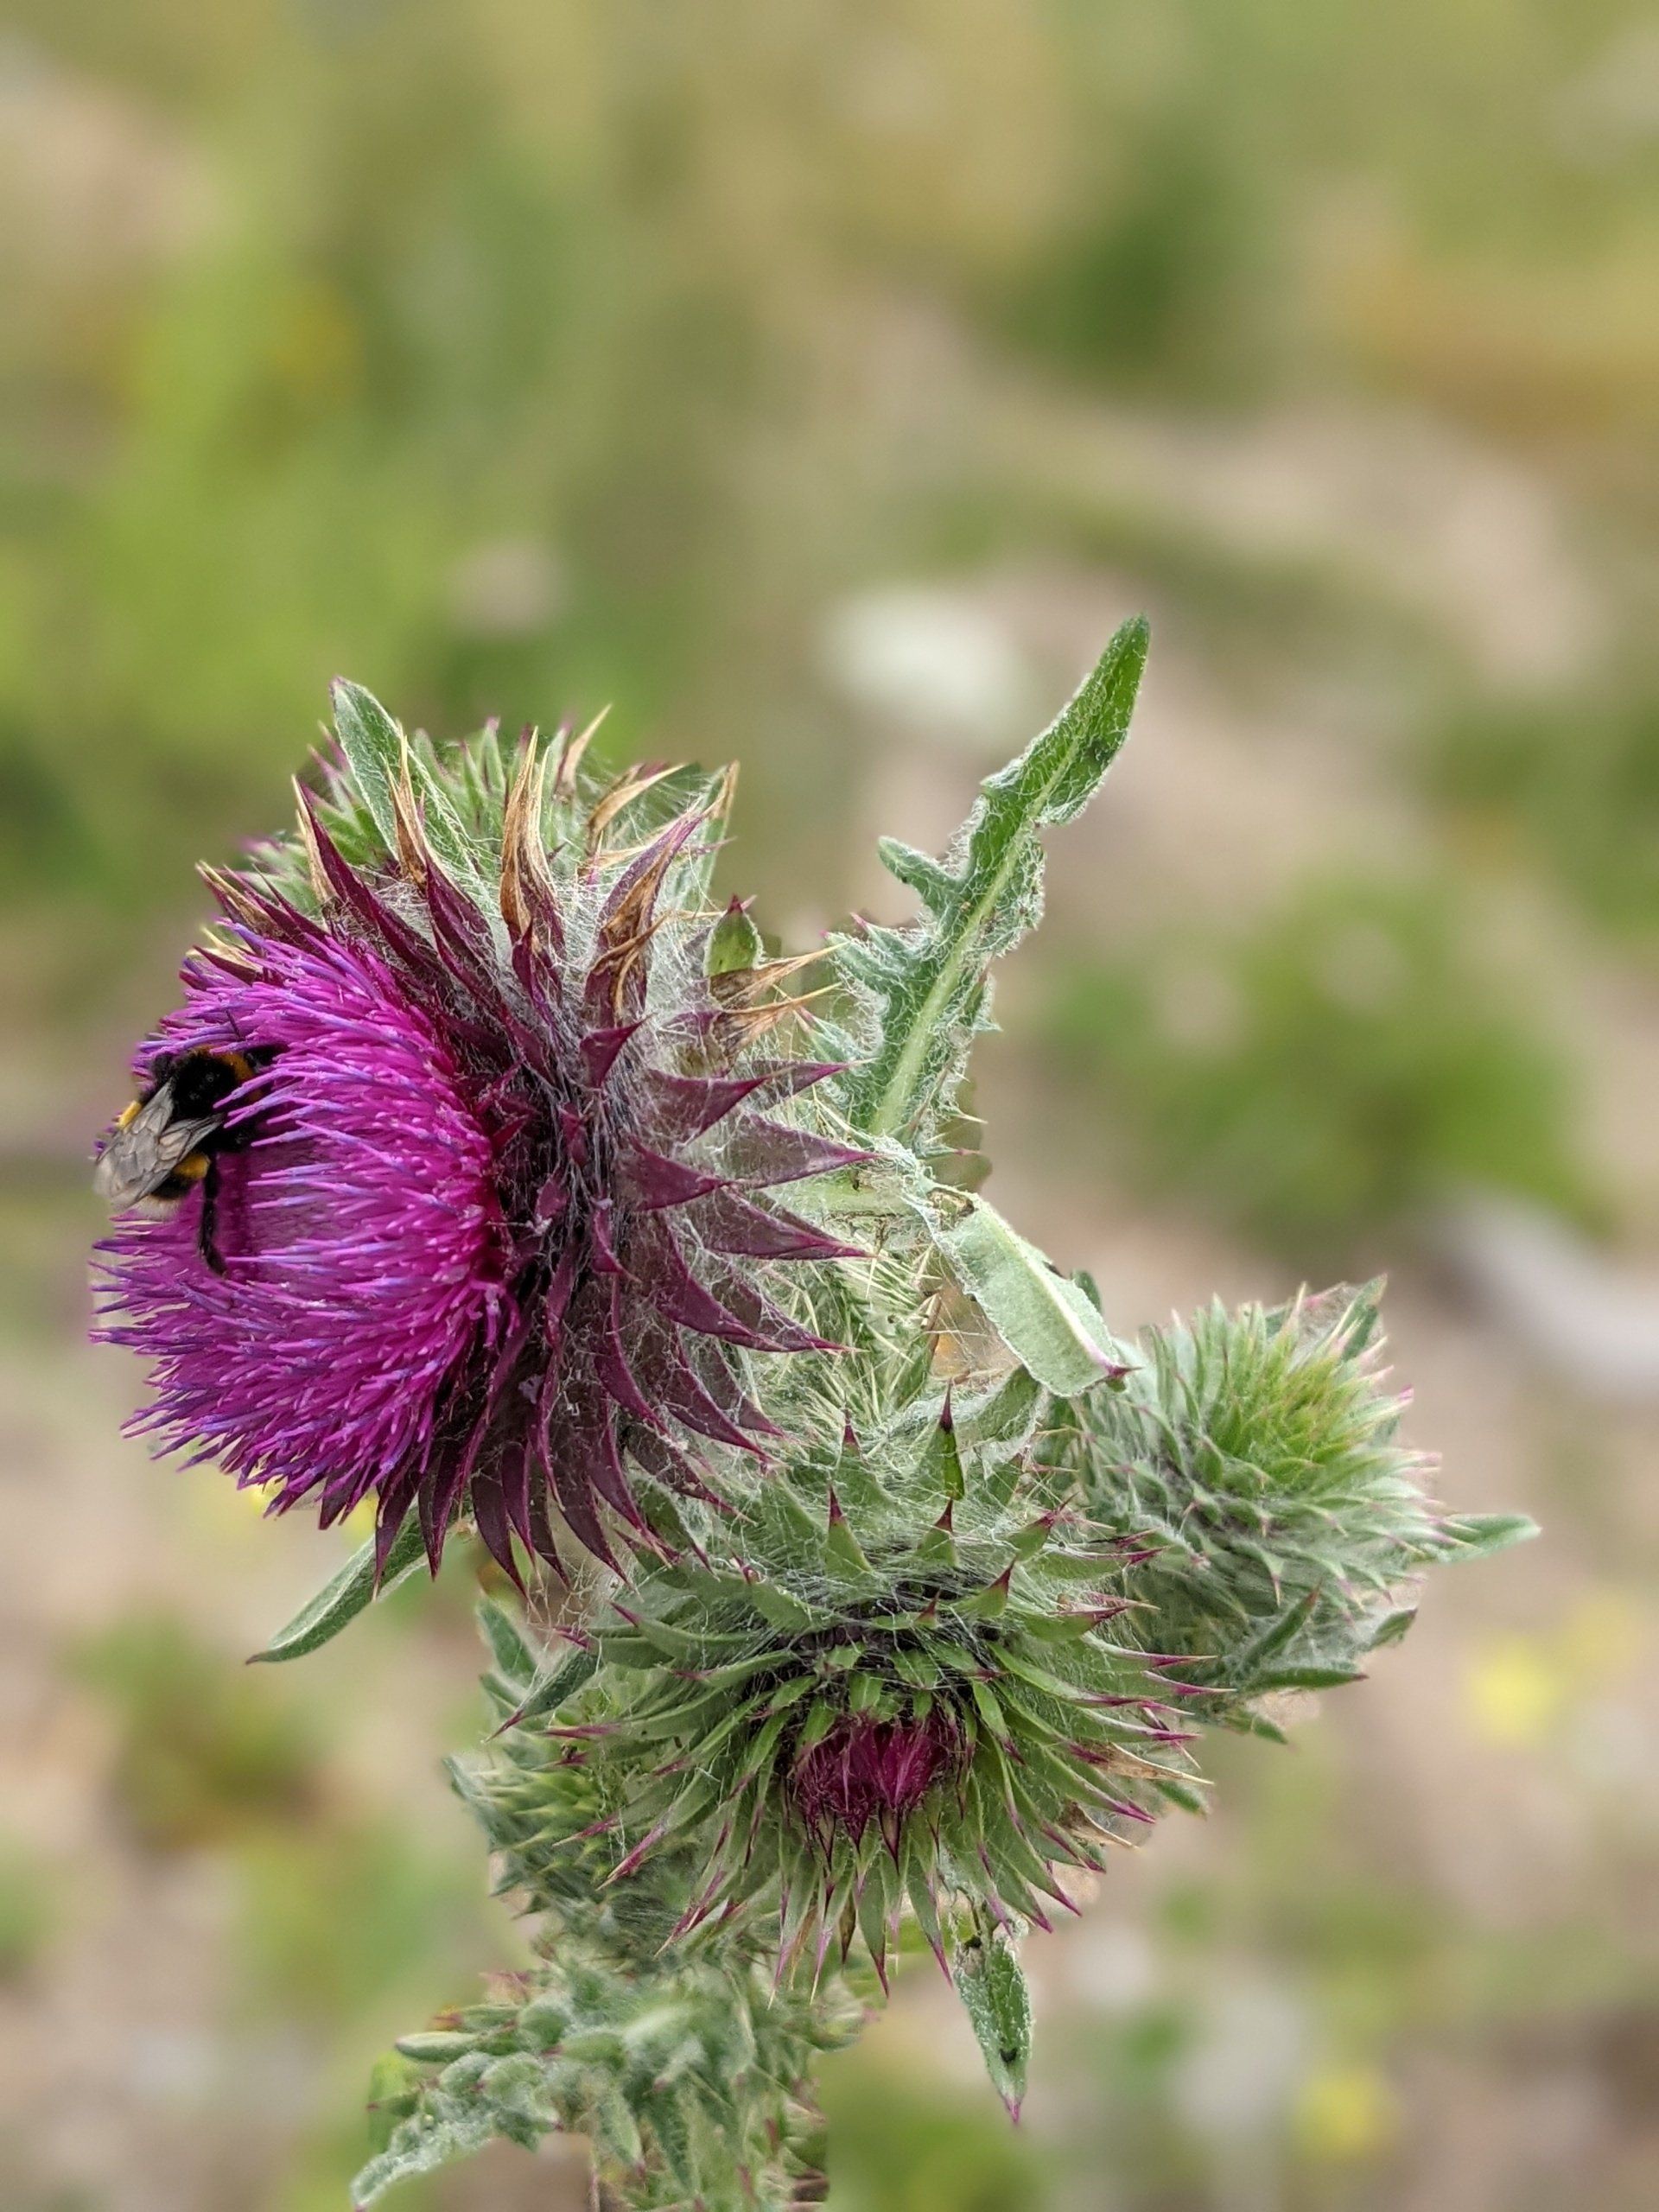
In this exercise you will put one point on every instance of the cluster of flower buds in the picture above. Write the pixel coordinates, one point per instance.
(865, 1584)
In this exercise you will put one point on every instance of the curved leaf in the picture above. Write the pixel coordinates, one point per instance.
(340, 1601)
(1046, 1320)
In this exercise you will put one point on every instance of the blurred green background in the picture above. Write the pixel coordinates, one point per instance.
(822, 384)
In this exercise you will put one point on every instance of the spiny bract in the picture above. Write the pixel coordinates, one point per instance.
(1259, 1451)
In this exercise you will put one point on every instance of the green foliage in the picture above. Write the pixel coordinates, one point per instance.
(922, 993)
(678, 2077)
(1325, 1075)
(455, 799)
(338, 1916)
(917, 1592)
(203, 1752)
(991, 1983)
(1158, 281)
(29, 1908)
(903, 2140)
(1574, 784)
(689, 2074)
(1049, 1324)
(1238, 1508)
(342, 1598)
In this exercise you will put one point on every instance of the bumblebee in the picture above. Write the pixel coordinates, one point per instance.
(170, 1140)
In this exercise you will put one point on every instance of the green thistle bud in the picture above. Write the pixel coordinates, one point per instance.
(1258, 1453)
(892, 1692)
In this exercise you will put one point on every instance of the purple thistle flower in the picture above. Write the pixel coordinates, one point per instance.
(495, 1219)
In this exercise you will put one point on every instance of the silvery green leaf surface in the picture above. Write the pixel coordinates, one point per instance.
(342, 1598)
(735, 943)
(991, 1984)
(1046, 1320)
(1473, 1535)
(922, 990)
(515, 1661)
(375, 751)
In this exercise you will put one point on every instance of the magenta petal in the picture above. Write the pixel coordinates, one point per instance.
(361, 1230)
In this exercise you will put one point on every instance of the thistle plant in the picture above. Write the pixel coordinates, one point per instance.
(858, 1587)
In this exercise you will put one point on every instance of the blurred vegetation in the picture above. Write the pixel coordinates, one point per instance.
(526, 357)
(1570, 786)
(202, 1751)
(1326, 1075)
(29, 1908)
(905, 2142)
(516, 356)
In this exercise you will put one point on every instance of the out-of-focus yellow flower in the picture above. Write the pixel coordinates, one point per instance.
(1519, 1688)
(1516, 1689)
(1345, 2115)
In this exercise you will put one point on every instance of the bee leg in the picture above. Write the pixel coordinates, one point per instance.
(206, 1220)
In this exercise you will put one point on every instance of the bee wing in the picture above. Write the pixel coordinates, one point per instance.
(142, 1154)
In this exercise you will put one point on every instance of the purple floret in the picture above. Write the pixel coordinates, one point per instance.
(360, 1232)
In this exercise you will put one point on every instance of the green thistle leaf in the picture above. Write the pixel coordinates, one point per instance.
(734, 944)
(376, 750)
(1474, 1535)
(924, 989)
(991, 1984)
(1046, 1320)
(342, 1598)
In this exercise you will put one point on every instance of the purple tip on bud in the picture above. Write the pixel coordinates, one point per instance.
(865, 1770)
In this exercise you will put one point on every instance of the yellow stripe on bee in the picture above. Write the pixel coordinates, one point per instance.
(193, 1166)
(240, 1064)
(129, 1114)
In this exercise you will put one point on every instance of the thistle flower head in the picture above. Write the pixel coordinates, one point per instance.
(363, 1219)
(494, 1216)
(900, 1692)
